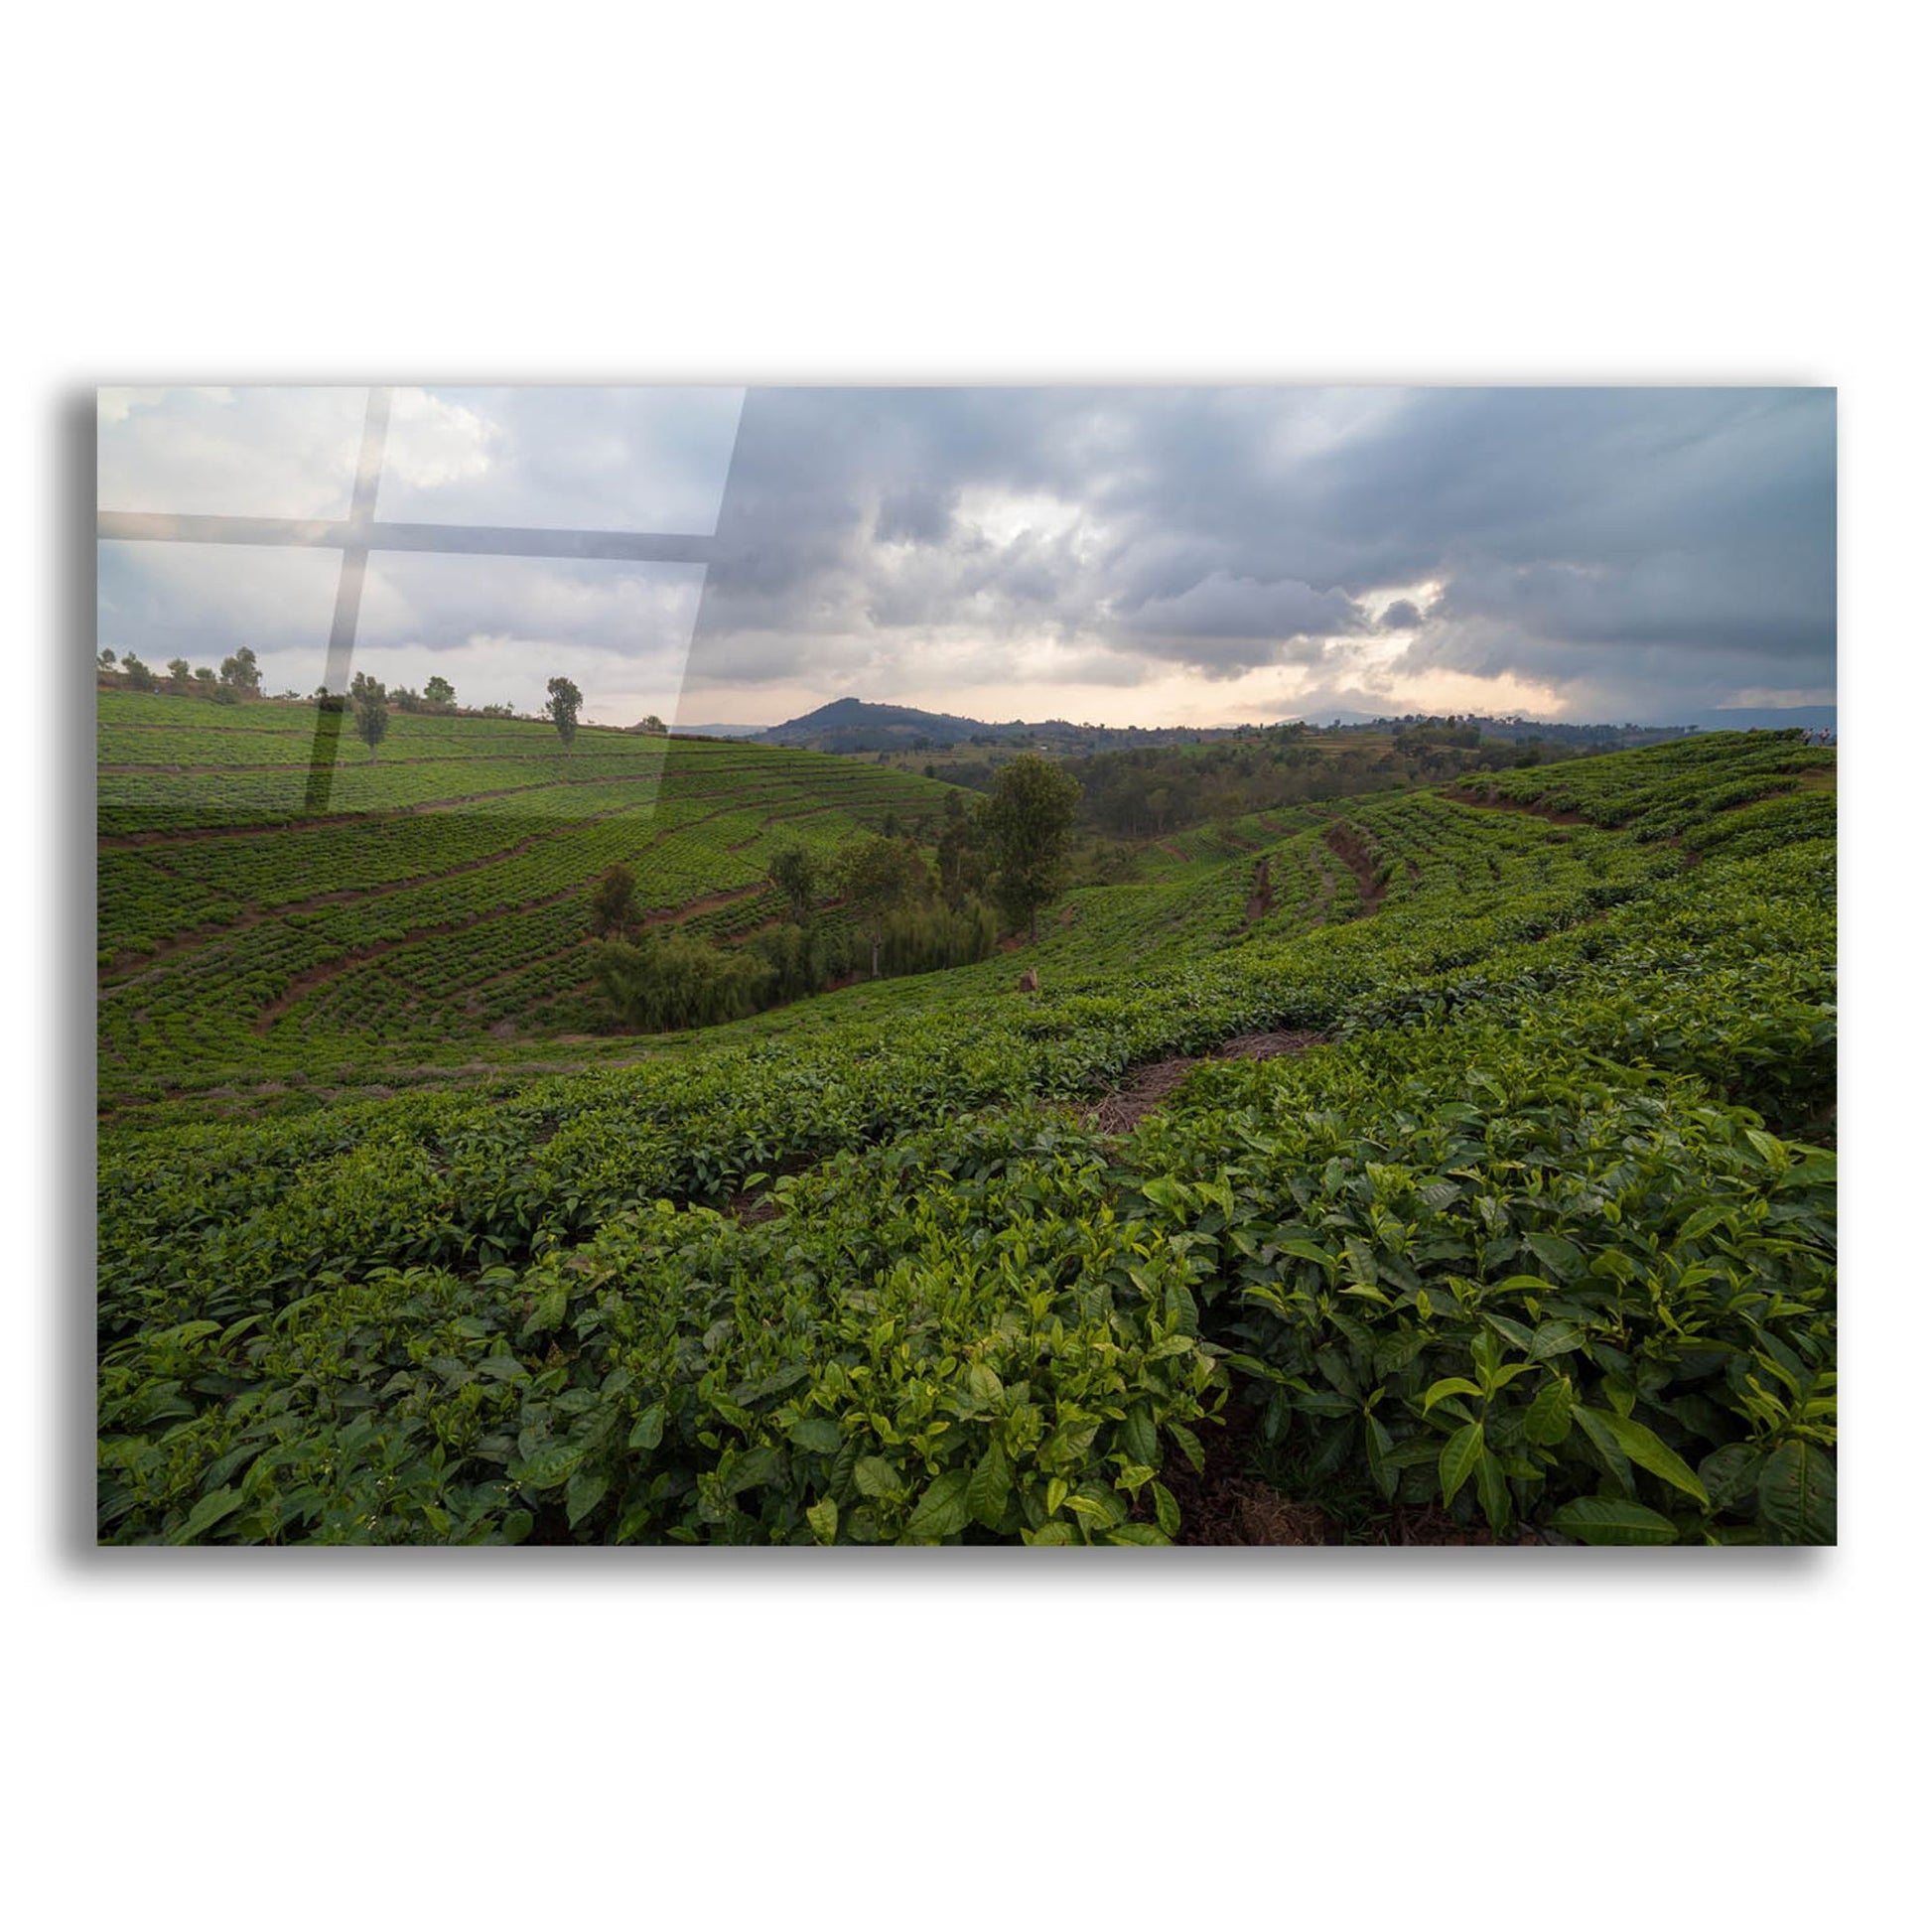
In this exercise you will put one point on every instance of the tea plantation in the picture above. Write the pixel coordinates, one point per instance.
(1488, 1180)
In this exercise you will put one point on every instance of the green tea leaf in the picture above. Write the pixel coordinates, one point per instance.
(1458, 1458)
(1797, 1495)
(990, 1489)
(1380, 1448)
(1731, 1472)
(208, 1511)
(1547, 1419)
(1649, 1451)
(817, 1432)
(1167, 1511)
(648, 1429)
(1449, 1385)
(1563, 1258)
(1137, 1437)
(823, 1516)
(584, 1494)
(1601, 1519)
(875, 1476)
(1492, 1492)
(943, 1510)
(1555, 1339)
(550, 1467)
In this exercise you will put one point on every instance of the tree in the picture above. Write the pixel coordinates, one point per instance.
(371, 710)
(106, 660)
(439, 690)
(206, 678)
(879, 876)
(794, 871)
(139, 677)
(240, 672)
(962, 871)
(178, 673)
(566, 700)
(613, 903)
(1029, 832)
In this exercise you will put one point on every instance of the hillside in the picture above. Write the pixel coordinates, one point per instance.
(438, 908)
(1467, 1176)
(853, 725)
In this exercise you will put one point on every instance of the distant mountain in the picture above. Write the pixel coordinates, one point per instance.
(717, 730)
(853, 724)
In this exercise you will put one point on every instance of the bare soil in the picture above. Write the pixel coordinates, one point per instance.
(1355, 856)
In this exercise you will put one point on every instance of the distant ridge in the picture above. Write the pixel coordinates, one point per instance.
(859, 725)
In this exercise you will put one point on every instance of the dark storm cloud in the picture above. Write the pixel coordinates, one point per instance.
(1632, 549)
(1665, 539)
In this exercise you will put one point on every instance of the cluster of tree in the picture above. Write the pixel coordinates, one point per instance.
(1156, 791)
(239, 677)
(438, 694)
(1005, 857)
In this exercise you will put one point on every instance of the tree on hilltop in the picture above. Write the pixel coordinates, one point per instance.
(439, 690)
(371, 710)
(242, 675)
(566, 700)
(178, 673)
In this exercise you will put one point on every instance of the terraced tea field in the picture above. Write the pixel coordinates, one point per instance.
(1473, 1181)
(442, 898)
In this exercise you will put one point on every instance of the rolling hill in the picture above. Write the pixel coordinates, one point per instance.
(1451, 1164)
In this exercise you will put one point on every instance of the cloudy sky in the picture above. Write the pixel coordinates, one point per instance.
(1129, 556)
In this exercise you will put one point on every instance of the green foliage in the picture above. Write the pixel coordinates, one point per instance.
(794, 874)
(961, 858)
(669, 982)
(439, 691)
(926, 938)
(878, 876)
(371, 710)
(1543, 1236)
(1467, 1254)
(565, 702)
(613, 903)
(242, 675)
(870, 1366)
(1029, 825)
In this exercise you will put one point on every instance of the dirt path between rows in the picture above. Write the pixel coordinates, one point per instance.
(1147, 1086)
(1516, 805)
(1346, 843)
